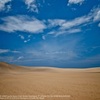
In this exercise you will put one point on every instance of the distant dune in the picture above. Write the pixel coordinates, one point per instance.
(8, 68)
(79, 84)
(5, 67)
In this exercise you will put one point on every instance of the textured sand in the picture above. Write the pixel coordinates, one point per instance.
(80, 84)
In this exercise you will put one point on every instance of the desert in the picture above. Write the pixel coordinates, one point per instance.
(74, 84)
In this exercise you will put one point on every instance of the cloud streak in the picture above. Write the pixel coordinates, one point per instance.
(74, 25)
(3, 51)
(8, 50)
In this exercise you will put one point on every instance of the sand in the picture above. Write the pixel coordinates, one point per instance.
(75, 84)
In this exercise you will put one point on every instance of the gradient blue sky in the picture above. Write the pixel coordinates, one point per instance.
(59, 33)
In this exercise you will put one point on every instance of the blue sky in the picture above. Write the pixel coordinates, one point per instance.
(59, 33)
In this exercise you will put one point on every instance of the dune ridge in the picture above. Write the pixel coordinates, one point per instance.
(5, 67)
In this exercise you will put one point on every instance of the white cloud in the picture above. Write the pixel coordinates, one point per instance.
(59, 32)
(76, 22)
(75, 2)
(99, 25)
(43, 37)
(97, 14)
(64, 24)
(56, 22)
(74, 31)
(29, 36)
(22, 23)
(3, 51)
(19, 58)
(32, 25)
(25, 41)
(22, 37)
(31, 5)
(68, 27)
(8, 50)
(74, 25)
(4, 5)
(15, 51)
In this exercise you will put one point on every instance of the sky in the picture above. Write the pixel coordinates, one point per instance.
(56, 33)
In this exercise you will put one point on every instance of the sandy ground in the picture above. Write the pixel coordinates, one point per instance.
(74, 84)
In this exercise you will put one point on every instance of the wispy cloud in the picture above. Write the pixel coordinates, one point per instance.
(22, 23)
(4, 5)
(22, 37)
(43, 37)
(96, 14)
(8, 50)
(3, 51)
(76, 22)
(7, 58)
(31, 5)
(74, 25)
(57, 26)
(54, 52)
(25, 41)
(75, 2)
(68, 27)
(65, 24)
(60, 32)
(15, 51)
(19, 58)
(99, 25)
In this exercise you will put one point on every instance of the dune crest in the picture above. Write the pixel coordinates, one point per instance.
(5, 67)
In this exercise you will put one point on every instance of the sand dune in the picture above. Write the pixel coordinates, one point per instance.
(79, 84)
(8, 68)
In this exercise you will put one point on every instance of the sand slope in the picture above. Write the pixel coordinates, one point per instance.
(80, 84)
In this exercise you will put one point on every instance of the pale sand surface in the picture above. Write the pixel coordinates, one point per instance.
(80, 84)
